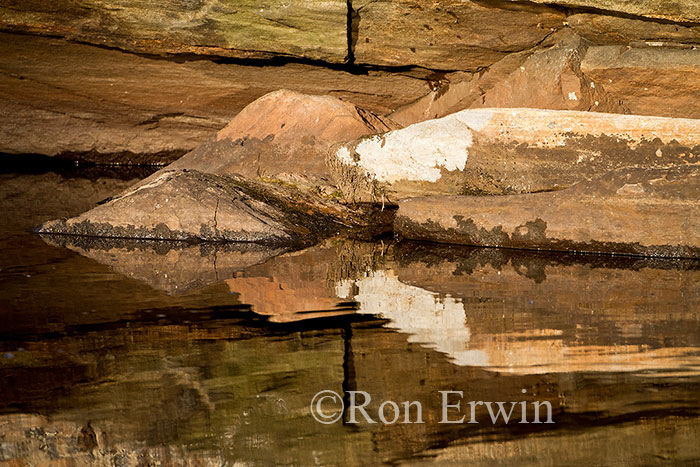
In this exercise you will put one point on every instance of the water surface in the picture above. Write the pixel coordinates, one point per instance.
(129, 352)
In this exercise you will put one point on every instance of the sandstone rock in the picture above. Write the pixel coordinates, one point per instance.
(619, 30)
(284, 133)
(451, 35)
(681, 12)
(546, 79)
(190, 205)
(310, 29)
(649, 212)
(500, 151)
(90, 103)
(650, 81)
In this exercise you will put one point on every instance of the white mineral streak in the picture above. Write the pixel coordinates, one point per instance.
(419, 152)
(434, 322)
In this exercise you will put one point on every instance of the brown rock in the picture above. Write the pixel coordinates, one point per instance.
(310, 29)
(90, 103)
(502, 151)
(190, 205)
(687, 11)
(285, 135)
(649, 212)
(650, 81)
(547, 79)
(609, 29)
(451, 35)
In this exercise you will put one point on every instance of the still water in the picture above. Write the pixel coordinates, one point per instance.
(138, 353)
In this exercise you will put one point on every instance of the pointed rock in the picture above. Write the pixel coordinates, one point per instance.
(284, 135)
(190, 205)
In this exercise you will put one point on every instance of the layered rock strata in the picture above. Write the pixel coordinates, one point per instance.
(649, 212)
(507, 151)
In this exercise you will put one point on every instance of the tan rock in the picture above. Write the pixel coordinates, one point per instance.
(649, 212)
(451, 35)
(91, 103)
(685, 11)
(619, 30)
(312, 29)
(650, 81)
(190, 205)
(500, 151)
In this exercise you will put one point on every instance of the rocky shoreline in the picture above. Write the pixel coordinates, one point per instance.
(569, 125)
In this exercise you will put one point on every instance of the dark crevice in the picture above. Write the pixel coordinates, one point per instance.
(353, 27)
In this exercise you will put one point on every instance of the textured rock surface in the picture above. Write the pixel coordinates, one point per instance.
(61, 98)
(451, 35)
(546, 79)
(284, 134)
(679, 11)
(650, 212)
(650, 81)
(500, 151)
(191, 205)
(610, 29)
(306, 28)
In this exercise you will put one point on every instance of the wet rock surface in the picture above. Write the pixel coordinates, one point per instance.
(502, 151)
(648, 212)
(190, 205)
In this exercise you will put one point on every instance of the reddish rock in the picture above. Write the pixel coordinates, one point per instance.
(650, 212)
(285, 135)
(104, 105)
(547, 79)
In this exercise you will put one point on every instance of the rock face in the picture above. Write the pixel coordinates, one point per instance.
(546, 79)
(313, 29)
(100, 105)
(650, 81)
(286, 135)
(262, 179)
(610, 29)
(685, 11)
(501, 151)
(190, 205)
(451, 35)
(650, 212)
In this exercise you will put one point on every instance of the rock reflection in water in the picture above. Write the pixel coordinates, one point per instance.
(509, 311)
(527, 312)
(613, 344)
(170, 266)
